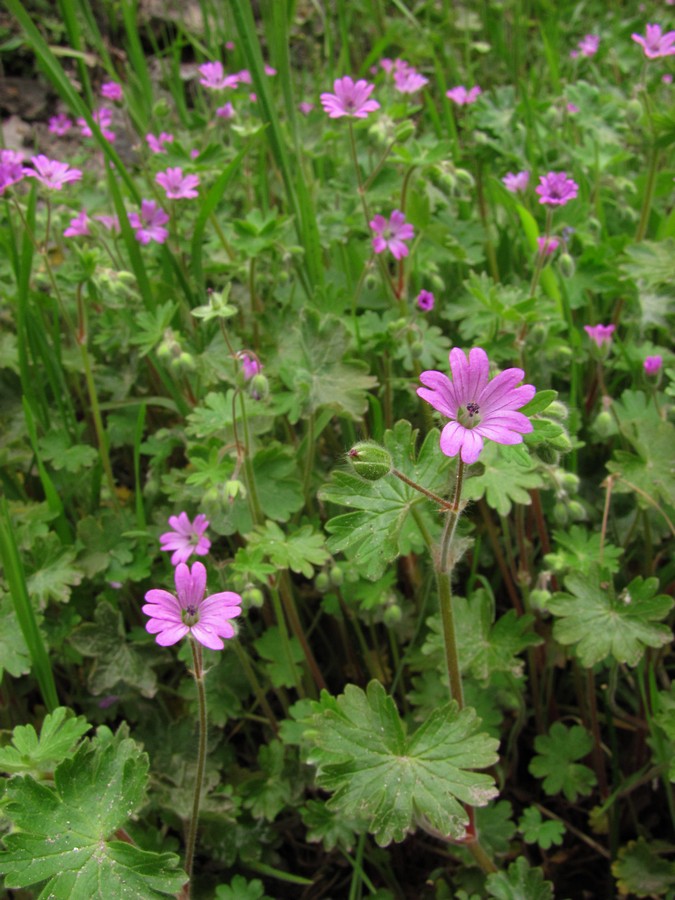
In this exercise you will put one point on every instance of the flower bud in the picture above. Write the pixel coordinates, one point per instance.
(539, 598)
(576, 511)
(252, 596)
(465, 179)
(633, 111)
(570, 481)
(392, 615)
(336, 575)
(161, 109)
(560, 513)
(405, 130)
(184, 362)
(322, 582)
(562, 442)
(232, 489)
(547, 454)
(259, 387)
(557, 410)
(604, 425)
(566, 264)
(370, 460)
(416, 349)
(370, 282)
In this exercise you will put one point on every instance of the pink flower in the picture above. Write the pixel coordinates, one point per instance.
(600, 334)
(462, 97)
(387, 64)
(477, 407)
(214, 78)
(547, 245)
(667, 78)
(652, 364)
(177, 185)
(79, 226)
(60, 124)
(391, 234)
(156, 144)
(229, 45)
(656, 43)
(244, 76)
(226, 111)
(11, 169)
(253, 97)
(111, 90)
(425, 301)
(51, 173)
(556, 189)
(350, 99)
(515, 183)
(250, 366)
(112, 223)
(103, 118)
(186, 538)
(206, 619)
(408, 80)
(588, 45)
(572, 108)
(149, 223)
(305, 107)
(269, 70)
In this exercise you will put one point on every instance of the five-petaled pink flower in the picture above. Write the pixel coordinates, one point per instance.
(477, 407)
(79, 226)
(60, 124)
(656, 43)
(103, 118)
(391, 234)
(214, 77)
(111, 90)
(226, 111)
(52, 173)
(350, 99)
(177, 185)
(600, 334)
(653, 364)
(205, 618)
(186, 538)
(156, 142)
(462, 97)
(588, 45)
(425, 301)
(556, 189)
(149, 223)
(516, 183)
(11, 168)
(407, 79)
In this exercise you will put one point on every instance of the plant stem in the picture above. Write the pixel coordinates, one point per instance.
(418, 487)
(198, 672)
(443, 576)
(355, 159)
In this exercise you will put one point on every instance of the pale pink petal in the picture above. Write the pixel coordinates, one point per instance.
(472, 446)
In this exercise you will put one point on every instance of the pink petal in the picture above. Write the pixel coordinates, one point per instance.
(452, 438)
(207, 637)
(190, 585)
(472, 446)
(170, 635)
(469, 376)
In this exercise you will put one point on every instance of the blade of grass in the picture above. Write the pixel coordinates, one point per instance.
(16, 580)
(51, 494)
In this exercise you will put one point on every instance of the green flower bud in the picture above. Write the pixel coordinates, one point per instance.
(633, 111)
(322, 582)
(557, 410)
(539, 598)
(416, 349)
(392, 615)
(604, 425)
(547, 454)
(404, 131)
(570, 481)
(233, 488)
(252, 596)
(566, 264)
(562, 442)
(560, 513)
(576, 511)
(161, 109)
(259, 387)
(370, 282)
(465, 179)
(184, 362)
(370, 460)
(336, 575)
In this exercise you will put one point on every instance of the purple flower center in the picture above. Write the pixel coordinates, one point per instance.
(190, 615)
(469, 416)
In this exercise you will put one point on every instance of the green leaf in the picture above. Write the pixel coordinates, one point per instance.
(384, 525)
(279, 487)
(152, 325)
(270, 789)
(115, 659)
(326, 827)
(14, 655)
(299, 551)
(555, 763)
(57, 450)
(282, 671)
(536, 830)
(395, 781)
(506, 478)
(641, 872)
(55, 575)
(30, 753)
(599, 624)
(541, 401)
(578, 550)
(519, 882)
(64, 832)
(484, 647)
(313, 366)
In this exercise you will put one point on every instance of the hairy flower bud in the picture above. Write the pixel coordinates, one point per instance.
(566, 264)
(259, 387)
(370, 460)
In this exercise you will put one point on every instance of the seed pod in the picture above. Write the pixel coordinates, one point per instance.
(370, 460)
